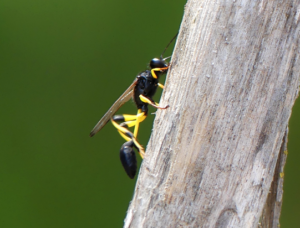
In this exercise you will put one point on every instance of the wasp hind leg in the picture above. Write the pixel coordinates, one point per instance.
(128, 121)
(129, 136)
(127, 154)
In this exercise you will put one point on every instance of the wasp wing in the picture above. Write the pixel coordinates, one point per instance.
(114, 108)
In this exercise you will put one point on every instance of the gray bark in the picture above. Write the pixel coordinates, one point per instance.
(213, 155)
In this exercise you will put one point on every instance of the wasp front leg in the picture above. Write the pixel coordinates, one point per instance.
(161, 69)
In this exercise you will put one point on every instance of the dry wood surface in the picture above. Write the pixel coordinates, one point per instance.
(213, 155)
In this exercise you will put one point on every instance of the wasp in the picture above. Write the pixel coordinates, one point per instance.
(141, 91)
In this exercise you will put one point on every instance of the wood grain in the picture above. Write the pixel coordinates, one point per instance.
(211, 158)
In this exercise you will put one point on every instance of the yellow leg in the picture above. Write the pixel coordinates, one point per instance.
(129, 117)
(130, 121)
(137, 123)
(157, 69)
(124, 136)
(127, 135)
(150, 102)
(140, 118)
(161, 85)
(121, 130)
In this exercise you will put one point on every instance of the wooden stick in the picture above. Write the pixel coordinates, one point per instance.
(234, 78)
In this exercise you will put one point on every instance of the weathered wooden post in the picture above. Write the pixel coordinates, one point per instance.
(215, 152)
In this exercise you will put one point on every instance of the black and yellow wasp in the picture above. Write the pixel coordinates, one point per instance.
(141, 90)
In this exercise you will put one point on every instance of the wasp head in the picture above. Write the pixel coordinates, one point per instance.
(158, 63)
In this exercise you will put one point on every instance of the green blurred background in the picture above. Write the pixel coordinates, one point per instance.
(62, 64)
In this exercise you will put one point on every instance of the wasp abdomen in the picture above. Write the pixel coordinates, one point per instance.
(128, 159)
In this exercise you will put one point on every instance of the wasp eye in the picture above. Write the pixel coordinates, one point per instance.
(157, 63)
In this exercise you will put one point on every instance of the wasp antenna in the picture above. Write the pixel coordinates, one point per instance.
(164, 59)
(161, 56)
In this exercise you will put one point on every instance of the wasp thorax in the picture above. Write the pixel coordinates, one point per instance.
(158, 63)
